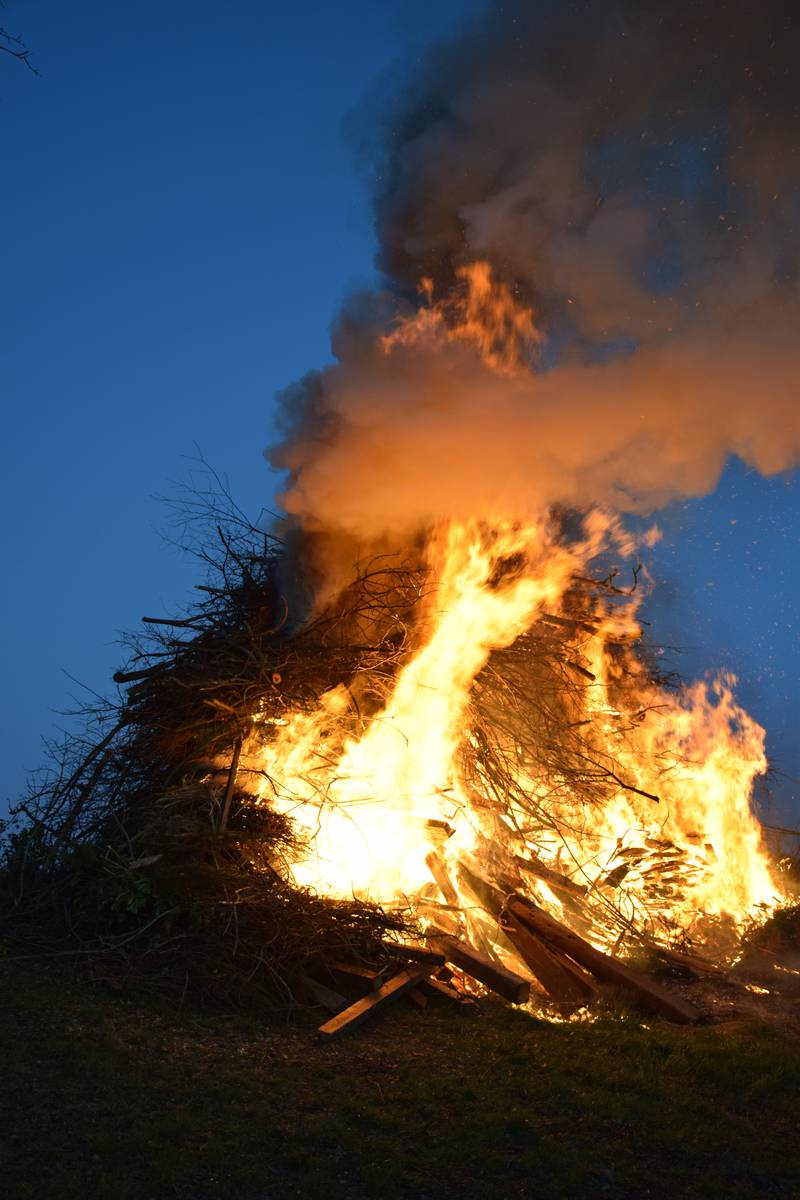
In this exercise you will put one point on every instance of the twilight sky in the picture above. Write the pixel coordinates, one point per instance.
(183, 210)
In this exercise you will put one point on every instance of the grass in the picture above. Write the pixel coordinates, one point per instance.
(105, 1097)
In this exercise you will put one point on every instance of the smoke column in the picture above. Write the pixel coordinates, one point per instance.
(630, 171)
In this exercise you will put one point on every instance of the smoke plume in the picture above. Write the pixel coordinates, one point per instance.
(630, 171)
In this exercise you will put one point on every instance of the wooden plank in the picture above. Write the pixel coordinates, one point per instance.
(370, 1005)
(438, 869)
(417, 997)
(325, 996)
(487, 895)
(506, 983)
(559, 976)
(358, 970)
(414, 952)
(689, 962)
(608, 969)
(465, 1003)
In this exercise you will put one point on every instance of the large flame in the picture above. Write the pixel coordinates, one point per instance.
(669, 841)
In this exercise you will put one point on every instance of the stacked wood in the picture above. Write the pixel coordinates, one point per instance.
(605, 967)
(560, 977)
(413, 952)
(356, 978)
(324, 996)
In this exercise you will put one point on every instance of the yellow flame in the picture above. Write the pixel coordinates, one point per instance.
(670, 839)
(679, 821)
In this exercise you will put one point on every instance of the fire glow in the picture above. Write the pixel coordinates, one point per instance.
(402, 806)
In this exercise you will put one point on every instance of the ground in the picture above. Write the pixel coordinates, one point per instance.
(126, 1098)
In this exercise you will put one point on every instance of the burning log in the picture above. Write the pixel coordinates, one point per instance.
(369, 1005)
(603, 966)
(506, 983)
(563, 979)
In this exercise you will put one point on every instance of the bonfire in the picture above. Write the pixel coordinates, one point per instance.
(458, 770)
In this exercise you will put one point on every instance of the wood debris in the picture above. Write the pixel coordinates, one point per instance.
(604, 966)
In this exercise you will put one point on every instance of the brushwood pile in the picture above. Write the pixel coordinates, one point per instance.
(142, 849)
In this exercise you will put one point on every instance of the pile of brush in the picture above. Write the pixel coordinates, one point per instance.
(138, 850)
(143, 849)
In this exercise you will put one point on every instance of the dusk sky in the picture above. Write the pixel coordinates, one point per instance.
(184, 208)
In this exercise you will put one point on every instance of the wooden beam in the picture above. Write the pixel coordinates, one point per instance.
(414, 952)
(603, 966)
(506, 983)
(370, 1005)
(561, 978)
(325, 996)
(563, 883)
(440, 988)
(688, 962)
(438, 869)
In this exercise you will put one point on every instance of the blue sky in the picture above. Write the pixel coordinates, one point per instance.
(182, 214)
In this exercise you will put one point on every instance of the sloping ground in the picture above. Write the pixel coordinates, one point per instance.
(105, 1097)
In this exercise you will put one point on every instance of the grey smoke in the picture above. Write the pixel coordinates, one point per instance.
(631, 170)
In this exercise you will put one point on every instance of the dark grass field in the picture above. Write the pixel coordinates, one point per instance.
(104, 1096)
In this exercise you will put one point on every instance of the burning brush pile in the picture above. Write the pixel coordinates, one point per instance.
(415, 742)
(463, 773)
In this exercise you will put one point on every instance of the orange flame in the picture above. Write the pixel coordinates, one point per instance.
(670, 842)
(483, 314)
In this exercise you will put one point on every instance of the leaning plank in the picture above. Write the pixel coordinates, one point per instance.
(438, 869)
(367, 1007)
(559, 976)
(506, 983)
(608, 969)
